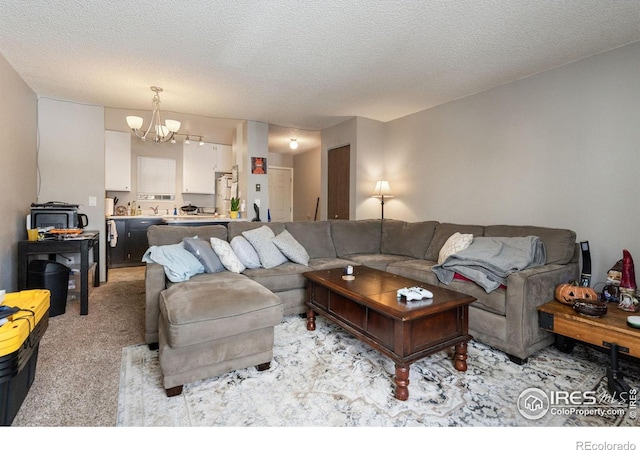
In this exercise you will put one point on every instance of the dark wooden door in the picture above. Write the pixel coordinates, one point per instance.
(338, 179)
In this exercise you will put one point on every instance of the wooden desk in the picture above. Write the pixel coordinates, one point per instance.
(610, 329)
(81, 244)
(607, 332)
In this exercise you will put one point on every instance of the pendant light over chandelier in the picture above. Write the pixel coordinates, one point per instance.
(161, 132)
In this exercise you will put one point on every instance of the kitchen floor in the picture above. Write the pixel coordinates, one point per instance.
(126, 273)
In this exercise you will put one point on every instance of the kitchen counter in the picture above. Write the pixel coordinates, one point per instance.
(183, 219)
(156, 216)
(179, 217)
(198, 219)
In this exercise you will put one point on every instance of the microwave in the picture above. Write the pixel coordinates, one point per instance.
(56, 215)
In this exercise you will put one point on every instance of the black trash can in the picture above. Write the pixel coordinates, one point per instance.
(53, 276)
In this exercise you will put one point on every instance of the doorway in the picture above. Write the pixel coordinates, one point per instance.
(338, 180)
(280, 194)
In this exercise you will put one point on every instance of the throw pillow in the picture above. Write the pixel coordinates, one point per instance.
(245, 252)
(228, 259)
(262, 241)
(453, 245)
(291, 248)
(179, 264)
(203, 251)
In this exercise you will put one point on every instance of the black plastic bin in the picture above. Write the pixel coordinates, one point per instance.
(53, 276)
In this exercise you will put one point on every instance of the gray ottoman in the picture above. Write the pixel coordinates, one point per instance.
(209, 328)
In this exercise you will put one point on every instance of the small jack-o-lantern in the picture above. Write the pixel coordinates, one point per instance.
(570, 292)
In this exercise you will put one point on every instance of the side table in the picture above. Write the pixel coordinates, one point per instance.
(82, 243)
(609, 332)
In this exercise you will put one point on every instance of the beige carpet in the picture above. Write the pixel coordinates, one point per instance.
(78, 368)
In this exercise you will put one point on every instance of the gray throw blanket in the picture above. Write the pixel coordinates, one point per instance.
(490, 260)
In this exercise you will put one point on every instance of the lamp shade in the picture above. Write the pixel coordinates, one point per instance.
(162, 131)
(172, 125)
(134, 122)
(382, 189)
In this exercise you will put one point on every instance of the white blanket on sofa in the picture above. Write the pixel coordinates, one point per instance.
(488, 261)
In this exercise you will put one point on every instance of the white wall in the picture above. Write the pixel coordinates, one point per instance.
(558, 149)
(370, 167)
(306, 185)
(280, 159)
(71, 159)
(18, 118)
(257, 146)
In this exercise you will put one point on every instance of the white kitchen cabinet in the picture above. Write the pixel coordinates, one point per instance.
(198, 168)
(224, 157)
(117, 161)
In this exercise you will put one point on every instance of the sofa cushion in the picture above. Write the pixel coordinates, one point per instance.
(227, 305)
(203, 251)
(291, 248)
(178, 263)
(227, 256)
(315, 237)
(352, 237)
(237, 228)
(262, 240)
(283, 277)
(245, 252)
(444, 231)
(454, 244)
(560, 244)
(405, 238)
(376, 260)
(329, 263)
(172, 234)
(495, 301)
(416, 269)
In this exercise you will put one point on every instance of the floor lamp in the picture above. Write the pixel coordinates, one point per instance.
(381, 191)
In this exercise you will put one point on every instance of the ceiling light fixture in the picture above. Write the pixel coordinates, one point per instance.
(162, 133)
(200, 142)
(293, 144)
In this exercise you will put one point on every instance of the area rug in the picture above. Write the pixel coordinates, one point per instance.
(328, 378)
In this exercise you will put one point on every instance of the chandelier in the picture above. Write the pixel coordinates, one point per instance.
(160, 132)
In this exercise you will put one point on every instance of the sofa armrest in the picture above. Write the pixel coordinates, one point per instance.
(155, 282)
(528, 289)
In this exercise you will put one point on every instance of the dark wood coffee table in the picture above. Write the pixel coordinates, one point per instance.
(368, 308)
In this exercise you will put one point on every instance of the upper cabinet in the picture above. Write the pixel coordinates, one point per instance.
(117, 150)
(224, 161)
(198, 168)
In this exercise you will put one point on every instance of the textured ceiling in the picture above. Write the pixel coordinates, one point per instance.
(303, 65)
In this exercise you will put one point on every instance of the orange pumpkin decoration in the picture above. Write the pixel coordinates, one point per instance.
(570, 292)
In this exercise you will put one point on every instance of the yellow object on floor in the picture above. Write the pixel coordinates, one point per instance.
(34, 305)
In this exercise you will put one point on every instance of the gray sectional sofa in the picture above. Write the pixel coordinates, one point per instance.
(505, 319)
